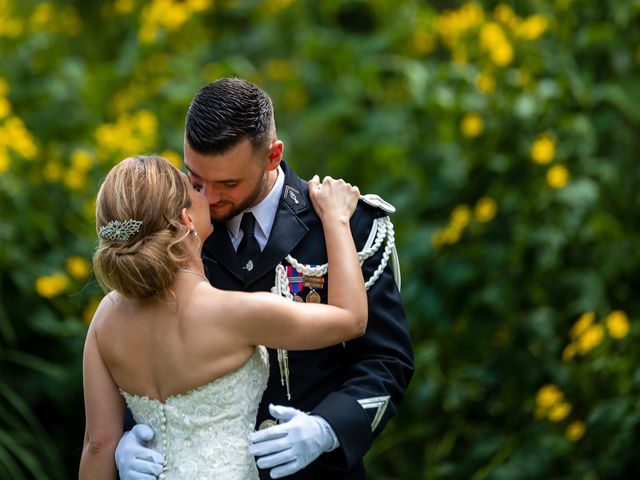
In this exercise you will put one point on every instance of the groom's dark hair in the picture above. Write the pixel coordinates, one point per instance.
(225, 112)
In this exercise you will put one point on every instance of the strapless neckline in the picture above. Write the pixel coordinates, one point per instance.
(257, 352)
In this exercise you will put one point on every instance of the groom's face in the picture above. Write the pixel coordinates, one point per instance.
(232, 182)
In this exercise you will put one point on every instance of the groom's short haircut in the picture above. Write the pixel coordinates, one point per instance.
(227, 111)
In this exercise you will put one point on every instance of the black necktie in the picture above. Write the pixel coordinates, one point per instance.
(248, 250)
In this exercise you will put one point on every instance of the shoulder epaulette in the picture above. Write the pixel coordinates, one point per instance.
(378, 202)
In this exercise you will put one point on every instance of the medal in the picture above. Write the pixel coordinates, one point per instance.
(297, 298)
(313, 297)
(313, 283)
(295, 283)
(266, 424)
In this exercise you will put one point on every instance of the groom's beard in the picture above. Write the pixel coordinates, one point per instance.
(256, 195)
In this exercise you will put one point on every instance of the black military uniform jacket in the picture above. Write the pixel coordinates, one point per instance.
(355, 386)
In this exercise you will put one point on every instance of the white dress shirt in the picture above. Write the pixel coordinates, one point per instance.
(264, 212)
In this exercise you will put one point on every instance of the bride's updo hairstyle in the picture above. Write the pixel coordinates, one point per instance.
(142, 261)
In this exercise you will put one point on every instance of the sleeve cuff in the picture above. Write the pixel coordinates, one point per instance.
(328, 433)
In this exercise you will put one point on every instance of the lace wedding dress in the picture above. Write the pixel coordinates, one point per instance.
(204, 433)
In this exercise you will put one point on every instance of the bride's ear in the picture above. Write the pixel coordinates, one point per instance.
(186, 219)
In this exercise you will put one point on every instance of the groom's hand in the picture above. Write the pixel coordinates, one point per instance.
(294, 443)
(136, 461)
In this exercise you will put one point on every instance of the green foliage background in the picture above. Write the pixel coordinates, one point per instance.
(506, 135)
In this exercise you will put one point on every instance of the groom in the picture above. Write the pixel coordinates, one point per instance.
(321, 409)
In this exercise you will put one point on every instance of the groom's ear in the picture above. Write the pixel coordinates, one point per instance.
(275, 154)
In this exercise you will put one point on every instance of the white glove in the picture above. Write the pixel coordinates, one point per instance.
(136, 461)
(294, 444)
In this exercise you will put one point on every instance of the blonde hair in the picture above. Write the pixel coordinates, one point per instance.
(149, 189)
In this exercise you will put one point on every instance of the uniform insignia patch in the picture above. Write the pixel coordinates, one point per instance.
(379, 403)
(292, 193)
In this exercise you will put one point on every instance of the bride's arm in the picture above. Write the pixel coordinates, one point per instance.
(278, 323)
(104, 411)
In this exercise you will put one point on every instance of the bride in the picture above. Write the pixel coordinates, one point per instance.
(187, 358)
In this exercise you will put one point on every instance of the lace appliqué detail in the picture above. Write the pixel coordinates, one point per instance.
(204, 433)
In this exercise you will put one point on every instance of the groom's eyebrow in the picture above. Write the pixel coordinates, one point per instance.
(200, 177)
(194, 174)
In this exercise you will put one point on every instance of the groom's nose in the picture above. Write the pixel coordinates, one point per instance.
(213, 195)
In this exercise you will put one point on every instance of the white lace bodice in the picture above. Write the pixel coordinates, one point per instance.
(204, 433)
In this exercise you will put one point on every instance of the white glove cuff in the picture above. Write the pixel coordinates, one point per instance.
(328, 433)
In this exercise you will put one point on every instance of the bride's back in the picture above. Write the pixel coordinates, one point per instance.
(163, 348)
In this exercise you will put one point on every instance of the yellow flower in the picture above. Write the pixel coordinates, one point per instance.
(10, 27)
(52, 171)
(148, 33)
(42, 17)
(494, 41)
(451, 234)
(4, 160)
(617, 324)
(460, 216)
(582, 324)
(52, 285)
(472, 125)
(4, 87)
(123, 7)
(501, 53)
(559, 411)
(558, 176)
(533, 27)
(490, 35)
(590, 339)
(423, 42)
(505, 14)
(90, 310)
(5, 107)
(548, 396)
(485, 82)
(78, 267)
(446, 236)
(485, 210)
(543, 149)
(198, 5)
(129, 135)
(75, 180)
(146, 121)
(452, 24)
(575, 430)
(174, 157)
(569, 352)
(81, 160)
(21, 139)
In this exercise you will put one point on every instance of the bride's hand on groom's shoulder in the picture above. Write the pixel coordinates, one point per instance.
(333, 198)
